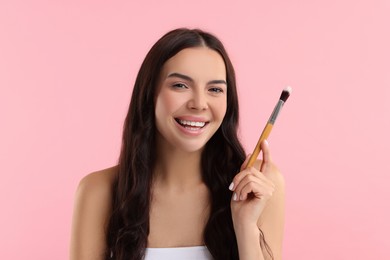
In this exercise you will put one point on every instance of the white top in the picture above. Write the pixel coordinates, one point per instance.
(178, 253)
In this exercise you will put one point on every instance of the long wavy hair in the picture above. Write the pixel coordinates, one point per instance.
(128, 227)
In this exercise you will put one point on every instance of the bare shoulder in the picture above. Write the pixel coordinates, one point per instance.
(98, 182)
(94, 191)
(92, 208)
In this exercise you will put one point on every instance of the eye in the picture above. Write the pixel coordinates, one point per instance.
(216, 90)
(179, 86)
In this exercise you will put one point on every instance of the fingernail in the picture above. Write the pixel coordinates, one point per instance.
(266, 142)
(241, 197)
(235, 196)
(231, 186)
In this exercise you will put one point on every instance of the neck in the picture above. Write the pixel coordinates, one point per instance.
(177, 169)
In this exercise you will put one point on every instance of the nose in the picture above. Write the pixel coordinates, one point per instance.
(198, 101)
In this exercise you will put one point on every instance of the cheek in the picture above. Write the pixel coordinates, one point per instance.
(166, 103)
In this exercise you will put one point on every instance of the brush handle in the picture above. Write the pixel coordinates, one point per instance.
(264, 135)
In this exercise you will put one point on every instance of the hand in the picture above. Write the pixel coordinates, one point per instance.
(251, 190)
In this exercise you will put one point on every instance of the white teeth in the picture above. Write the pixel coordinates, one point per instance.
(192, 123)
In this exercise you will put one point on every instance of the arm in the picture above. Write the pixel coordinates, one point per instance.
(90, 216)
(271, 221)
(259, 204)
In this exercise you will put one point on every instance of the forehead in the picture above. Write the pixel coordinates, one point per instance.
(198, 63)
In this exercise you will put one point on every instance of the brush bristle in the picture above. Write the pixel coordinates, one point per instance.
(285, 94)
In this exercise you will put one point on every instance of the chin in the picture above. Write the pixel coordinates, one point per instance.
(192, 148)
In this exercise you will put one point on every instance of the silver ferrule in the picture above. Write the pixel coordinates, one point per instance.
(276, 111)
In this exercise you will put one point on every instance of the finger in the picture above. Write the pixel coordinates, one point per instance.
(266, 156)
(248, 171)
(249, 178)
(239, 176)
(253, 183)
(243, 165)
(251, 175)
(258, 189)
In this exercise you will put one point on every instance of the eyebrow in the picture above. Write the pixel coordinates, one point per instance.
(185, 77)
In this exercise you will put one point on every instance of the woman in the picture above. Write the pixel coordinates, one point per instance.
(180, 188)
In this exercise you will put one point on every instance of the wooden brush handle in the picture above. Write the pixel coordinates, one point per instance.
(264, 135)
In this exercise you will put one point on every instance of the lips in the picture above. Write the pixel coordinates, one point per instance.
(188, 123)
(191, 126)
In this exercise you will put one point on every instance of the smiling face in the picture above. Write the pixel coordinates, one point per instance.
(191, 98)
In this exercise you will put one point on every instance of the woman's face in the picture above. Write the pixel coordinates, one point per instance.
(191, 98)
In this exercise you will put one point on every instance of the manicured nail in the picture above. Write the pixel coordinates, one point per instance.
(231, 186)
(266, 142)
(241, 197)
(235, 196)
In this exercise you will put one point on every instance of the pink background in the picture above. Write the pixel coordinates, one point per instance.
(66, 75)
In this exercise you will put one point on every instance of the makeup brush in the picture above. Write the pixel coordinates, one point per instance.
(268, 127)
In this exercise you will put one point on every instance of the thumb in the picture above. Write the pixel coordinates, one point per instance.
(266, 156)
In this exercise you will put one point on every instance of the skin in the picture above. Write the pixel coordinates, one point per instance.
(258, 203)
(191, 86)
